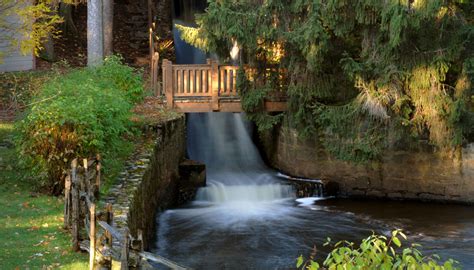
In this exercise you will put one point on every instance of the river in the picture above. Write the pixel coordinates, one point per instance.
(246, 218)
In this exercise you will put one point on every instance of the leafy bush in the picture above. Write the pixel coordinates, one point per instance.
(79, 114)
(376, 252)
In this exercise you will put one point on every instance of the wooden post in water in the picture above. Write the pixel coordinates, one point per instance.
(215, 83)
(168, 82)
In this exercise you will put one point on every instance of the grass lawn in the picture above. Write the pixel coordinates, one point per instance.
(30, 224)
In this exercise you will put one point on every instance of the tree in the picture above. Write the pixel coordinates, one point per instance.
(108, 24)
(95, 33)
(357, 71)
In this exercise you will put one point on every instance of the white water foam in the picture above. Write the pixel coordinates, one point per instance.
(236, 173)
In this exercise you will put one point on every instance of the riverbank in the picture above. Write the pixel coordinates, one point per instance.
(30, 222)
(422, 174)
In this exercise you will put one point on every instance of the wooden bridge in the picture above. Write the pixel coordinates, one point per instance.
(206, 88)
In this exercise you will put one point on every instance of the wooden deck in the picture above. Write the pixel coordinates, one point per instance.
(206, 88)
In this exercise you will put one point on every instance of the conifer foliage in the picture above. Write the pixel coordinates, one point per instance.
(361, 73)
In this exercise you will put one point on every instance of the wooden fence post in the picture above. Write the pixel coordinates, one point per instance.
(109, 219)
(67, 202)
(215, 83)
(140, 247)
(154, 74)
(150, 27)
(97, 177)
(92, 239)
(75, 206)
(125, 251)
(168, 82)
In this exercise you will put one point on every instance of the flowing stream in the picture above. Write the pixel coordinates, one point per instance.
(246, 218)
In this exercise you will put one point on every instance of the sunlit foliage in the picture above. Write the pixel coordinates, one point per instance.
(80, 114)
(377, 252)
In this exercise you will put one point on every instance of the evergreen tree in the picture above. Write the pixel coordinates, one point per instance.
(362, 73)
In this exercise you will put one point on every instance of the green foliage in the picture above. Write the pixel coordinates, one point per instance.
(349, 133)
(377, 252)
(79, 114)
(253, 102)
(395, 62)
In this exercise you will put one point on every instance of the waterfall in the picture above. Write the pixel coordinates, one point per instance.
(235, 170)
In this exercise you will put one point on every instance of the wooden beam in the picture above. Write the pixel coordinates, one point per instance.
(214, 83)
(189, 106)
(168, 82)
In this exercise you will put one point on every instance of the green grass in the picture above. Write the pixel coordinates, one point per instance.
(30, 224)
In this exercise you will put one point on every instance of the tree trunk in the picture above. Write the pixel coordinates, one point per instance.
(95, 34)
(108, 24)
(68, 26)
(47, 53)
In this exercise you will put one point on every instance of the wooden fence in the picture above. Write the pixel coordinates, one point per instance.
(105, 243)
(213, 81)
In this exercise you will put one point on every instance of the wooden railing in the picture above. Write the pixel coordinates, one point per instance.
(105, 243)
(213, 87)
(206, 80)
(192, 80)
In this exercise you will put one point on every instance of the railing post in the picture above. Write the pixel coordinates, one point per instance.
(125, 251)
(168, 82)
(109, 217)
(214, 83)
(67, 202)
(75, 206)
(92, 239)
(154, 74)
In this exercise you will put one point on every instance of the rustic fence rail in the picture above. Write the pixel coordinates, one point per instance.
(213, 84)
(105, 243)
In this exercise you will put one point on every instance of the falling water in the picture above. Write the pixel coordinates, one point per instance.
(245, 218)
(236, 173)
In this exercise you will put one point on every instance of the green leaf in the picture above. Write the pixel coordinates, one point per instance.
(396, 241)
(299, 261)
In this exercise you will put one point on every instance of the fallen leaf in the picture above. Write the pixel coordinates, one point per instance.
(33, 228)
(40, 242)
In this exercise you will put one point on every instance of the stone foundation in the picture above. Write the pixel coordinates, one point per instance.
(150, 181)
(401, 174)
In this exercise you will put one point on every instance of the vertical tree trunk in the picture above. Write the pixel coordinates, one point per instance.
(95, 34)
(48, 49)
(108, 24)
(47, 52)
(68, 26)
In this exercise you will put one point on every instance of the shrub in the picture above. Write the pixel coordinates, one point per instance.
(79, 114)
(376, 252)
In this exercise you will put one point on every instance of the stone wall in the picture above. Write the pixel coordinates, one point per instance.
(420, 175)
(150, 181)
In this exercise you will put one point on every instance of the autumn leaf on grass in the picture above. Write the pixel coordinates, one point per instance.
(33, 228)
